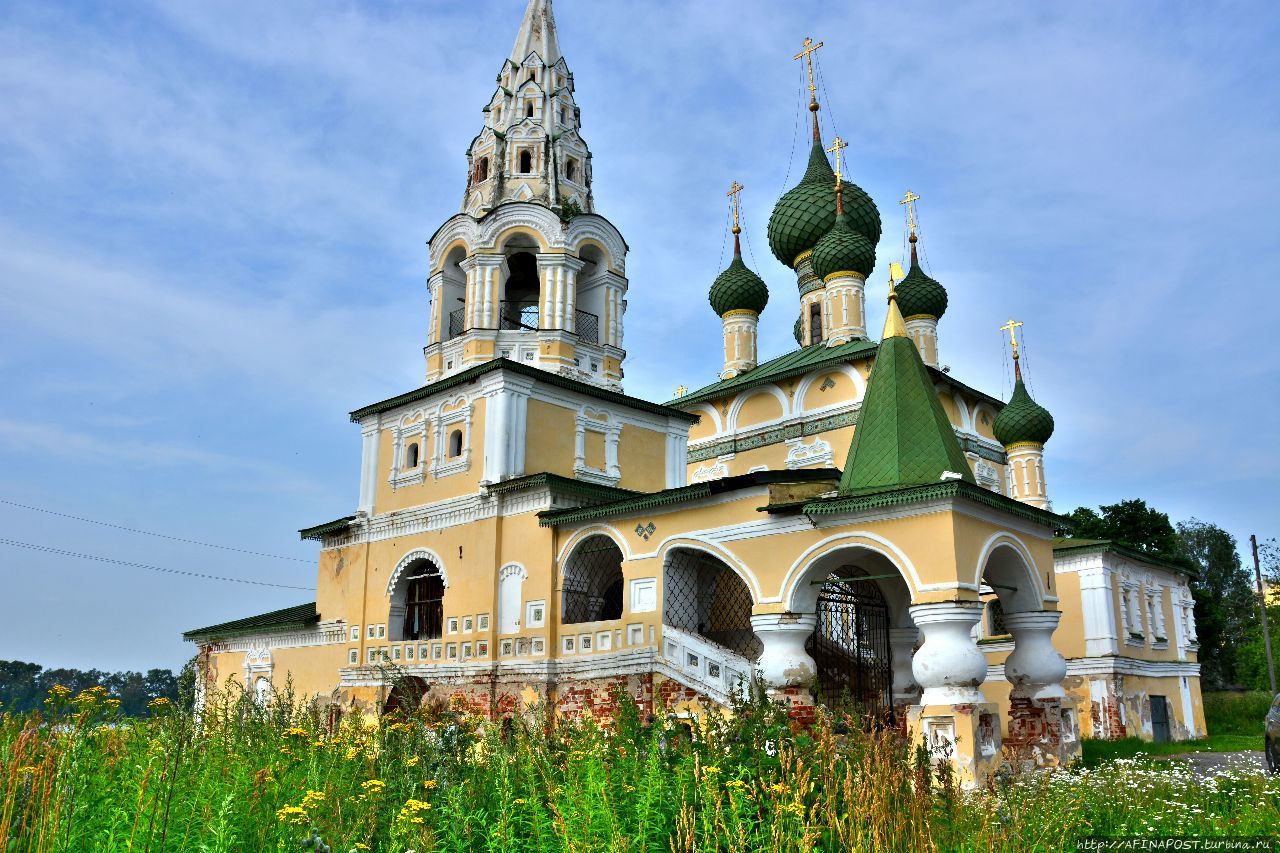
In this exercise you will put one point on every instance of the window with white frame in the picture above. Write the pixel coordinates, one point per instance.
(408, 438)
(596, 447)
(453, 446)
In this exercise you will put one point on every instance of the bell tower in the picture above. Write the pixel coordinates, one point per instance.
(527, 270)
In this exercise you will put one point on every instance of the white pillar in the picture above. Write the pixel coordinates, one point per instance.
(369, 464)
(1035, 668)
(784, 662)
(923, 329)
(1026, 470)
(1097, 600)
(949, 666)
(902, 648)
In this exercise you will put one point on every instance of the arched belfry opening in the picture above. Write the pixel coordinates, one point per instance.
(453, 294)
(521, 290)
(590, 297)
(591, 585)
(703, 596)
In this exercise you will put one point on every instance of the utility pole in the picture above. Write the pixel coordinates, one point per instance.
(1262, 603)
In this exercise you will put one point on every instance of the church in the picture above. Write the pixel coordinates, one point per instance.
(846, 521)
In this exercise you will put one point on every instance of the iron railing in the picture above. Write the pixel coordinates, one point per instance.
(524, 317)
(592, 590)
(702, 596)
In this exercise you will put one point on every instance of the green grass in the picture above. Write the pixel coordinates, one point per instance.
(1236, 713)
(77, 777)
(1098, 751)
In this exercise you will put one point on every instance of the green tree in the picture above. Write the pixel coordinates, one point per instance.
(1131, 523)
(1226, 606)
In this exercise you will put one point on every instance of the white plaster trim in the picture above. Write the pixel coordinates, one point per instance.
(1119, 666)
(579, 536)
(862, 539)
(716, 550)
(417, 554)
(1005, 539)
(326, 634)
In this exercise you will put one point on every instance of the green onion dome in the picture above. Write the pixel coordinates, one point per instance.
(738, 288)
(843, 250)
(1022, 420)
(807, 212)
(918, 294)
(798, 328)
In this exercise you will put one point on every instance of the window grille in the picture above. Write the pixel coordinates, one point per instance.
(703, 596)
(592, 587)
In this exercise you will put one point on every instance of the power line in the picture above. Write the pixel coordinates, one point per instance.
(48, 550)
(151, 533)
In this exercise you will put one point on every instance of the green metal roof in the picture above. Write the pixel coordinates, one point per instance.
(683, 494)
(904, 437)
(1071, 546)
(290, 618)
(789, 364)
(556, 379)
(563, 485)
(931, 491)
(1023, 419)
(322, 530)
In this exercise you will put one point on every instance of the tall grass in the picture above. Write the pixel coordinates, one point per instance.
(77, 777)
(1236, 713)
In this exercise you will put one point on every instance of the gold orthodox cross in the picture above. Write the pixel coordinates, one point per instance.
(836, 145)
(807, 53)
(1010, 327)
(733, 194)
(681, 390)
(910, 200)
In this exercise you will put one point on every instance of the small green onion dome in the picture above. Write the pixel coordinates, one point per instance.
(738, 289)
(918, 294)
(806, 212)
(1022, 420)
(843, 250)
(798, 328)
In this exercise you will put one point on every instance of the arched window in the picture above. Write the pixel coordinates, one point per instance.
(570, 169)
(510, 598)
(815, 322)
(528, 109)
(592, 586)
(497, 114)
(455, 444)
(411, 456)
(424, 602)
(482, 170)
(526, 162)
(701, 595)
(560, 115)
(262, 690)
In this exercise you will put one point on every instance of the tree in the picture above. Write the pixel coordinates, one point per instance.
(1130, 523)
(1226, 607)
(24, 686)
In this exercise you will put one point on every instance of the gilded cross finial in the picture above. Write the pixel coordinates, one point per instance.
(836, 145)
(734, 189)
(910, 200)
(807, 53)
(1011, 328)
(681, 390)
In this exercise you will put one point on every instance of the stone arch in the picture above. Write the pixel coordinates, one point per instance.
(792, 593)
(871, 557)
(417, 561)
(594, 228)
(596, 529)
(504, 238)
(591, 582)
(735, 411)
(706, 596)
(1006, 565)
(709, 427)
(975, 419)
(720, 553)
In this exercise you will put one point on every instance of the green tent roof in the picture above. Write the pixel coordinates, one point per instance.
(904, 437)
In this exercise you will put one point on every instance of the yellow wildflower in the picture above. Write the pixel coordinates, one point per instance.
(429, 784)
(292, 814)
(373, 786)
(413, 761)
(294, 731)
(28, 769)
(312, 798)
(60, 691)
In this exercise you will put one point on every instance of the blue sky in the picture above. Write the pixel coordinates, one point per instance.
(212, 247)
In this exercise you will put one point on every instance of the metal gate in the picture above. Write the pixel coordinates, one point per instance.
(850, 644)
(1159, 719)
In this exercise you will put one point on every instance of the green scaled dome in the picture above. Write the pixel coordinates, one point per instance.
(843, 250)
(1022, 420)
(738, 289)
(919, 294)
(798, 328)
(806, 212)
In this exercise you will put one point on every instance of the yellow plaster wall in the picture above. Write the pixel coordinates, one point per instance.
(760, 407)
(843, 392)
(1069, 635)
(593, 449)
(642, 455)
(550, 438)
(431, 489)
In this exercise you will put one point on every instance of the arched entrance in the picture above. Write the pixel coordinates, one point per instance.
(850, 644)
(591, 587)
(703, 596)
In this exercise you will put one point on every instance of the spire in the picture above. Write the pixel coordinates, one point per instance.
(903, 437)
(537, 34)
(894, 327)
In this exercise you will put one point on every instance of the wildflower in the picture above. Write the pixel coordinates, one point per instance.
(429, 784)
(412, 811)
(519, 801)
(413, 761)
(60, 691)
(29, 769)
(312, 798)
(294, 731)
(373, 786)
(292, 814)
(158, 703)
(359, 845)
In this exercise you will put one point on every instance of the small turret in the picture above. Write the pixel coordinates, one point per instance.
(1023, 427)
(738, 296)
(922, 299)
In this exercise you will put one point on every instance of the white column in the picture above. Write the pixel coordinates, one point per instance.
(368, 464)
(497, 426)
(784, 662)
(949, 666)
(439, 311)
(677, 456)
(1035, 668)
(472, 313)
(1097, 600)
(924, 331)
(902, 647)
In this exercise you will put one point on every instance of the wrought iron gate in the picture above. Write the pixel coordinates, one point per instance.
(850, 644)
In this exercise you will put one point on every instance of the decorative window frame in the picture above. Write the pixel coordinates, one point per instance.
(402, 435)
(589, 419)
(444, 423)
(257, 662)
(531, 608)
(801, 455)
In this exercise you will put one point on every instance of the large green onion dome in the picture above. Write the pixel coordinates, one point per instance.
(738, 288)
(918, 294)
(843, 250)
(806, 212)
(1023, 420)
